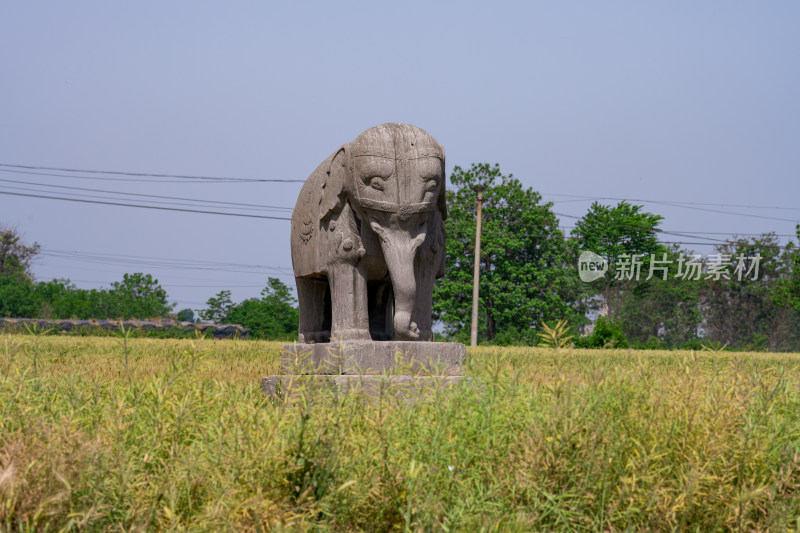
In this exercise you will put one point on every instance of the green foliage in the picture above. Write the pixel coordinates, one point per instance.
(62, 299)
(526, 268)
(745, 314)
(786, 291)
(273, 316)
(17, 296)
(656, 311)
(15, 256)
(165, 332)
(606, 334)
(186, 315)
(137, 296)
(622, 441)
(666, 312)
(555, 336)
(614, 231)
(512, 336)
(217, 308)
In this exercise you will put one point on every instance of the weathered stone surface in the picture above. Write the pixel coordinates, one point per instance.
(367, 238)
(409, 387)
(370, 357)
(368, 241)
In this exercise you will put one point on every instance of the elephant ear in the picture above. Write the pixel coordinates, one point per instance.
(333, 185)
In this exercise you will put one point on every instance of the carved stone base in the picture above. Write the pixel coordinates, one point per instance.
(374, 357)
(400, 368)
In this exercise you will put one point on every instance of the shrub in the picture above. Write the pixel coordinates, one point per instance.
(606, 334)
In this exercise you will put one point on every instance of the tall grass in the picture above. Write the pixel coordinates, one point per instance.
(570, 440)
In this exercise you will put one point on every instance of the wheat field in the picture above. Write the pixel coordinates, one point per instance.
(108, 434)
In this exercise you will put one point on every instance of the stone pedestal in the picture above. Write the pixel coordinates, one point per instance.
(373, 366)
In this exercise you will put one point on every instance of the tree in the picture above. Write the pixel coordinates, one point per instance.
(744, 313)
(186, 315)
(17, 297)
(282, 305)
(137, 296)
(527, 267)
(61, 299)
(15, 256)
(613, 232)
(786, 292)
(664, 310)
(218, 308)
(273, 316)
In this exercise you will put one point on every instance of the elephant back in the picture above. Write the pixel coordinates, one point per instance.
(305, 232)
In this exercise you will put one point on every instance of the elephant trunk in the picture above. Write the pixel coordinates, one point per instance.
(405, 295)
(400, 250)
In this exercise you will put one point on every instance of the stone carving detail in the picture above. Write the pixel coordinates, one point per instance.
(306, 232)
(308, 223)
(368, 238)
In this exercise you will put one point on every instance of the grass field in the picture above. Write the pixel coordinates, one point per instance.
(175, 435)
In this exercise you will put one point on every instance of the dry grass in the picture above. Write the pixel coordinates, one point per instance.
(574, 440)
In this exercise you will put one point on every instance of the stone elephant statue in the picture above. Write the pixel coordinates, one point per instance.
(368, 238)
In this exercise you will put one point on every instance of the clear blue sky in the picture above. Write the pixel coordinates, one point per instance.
(670, 101)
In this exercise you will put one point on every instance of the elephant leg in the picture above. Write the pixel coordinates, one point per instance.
(347, 276)
(349, 298)
(426, 275)
(428, 266)
(381, 301)
(314, 301)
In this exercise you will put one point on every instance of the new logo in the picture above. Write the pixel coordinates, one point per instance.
(591, 266)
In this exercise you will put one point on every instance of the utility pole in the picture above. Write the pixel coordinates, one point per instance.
(476, 275)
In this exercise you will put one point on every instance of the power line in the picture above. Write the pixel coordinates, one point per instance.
(694, 243)
(728, 212)
(143, 206)
(236, 204)
(262, 180)
(243, 269)
(624, 226)
(147, 174)
(81, 200)
(59, 265)
(731, 233)
(180, 262)
(84, 200)
(669, 202)
(106, 178)
(681, 205)
(168, 203)
(201, 261)
(714, 241)
(655, 230)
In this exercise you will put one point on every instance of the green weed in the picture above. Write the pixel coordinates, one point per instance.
(601, 440)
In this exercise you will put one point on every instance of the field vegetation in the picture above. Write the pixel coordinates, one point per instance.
(143, 434)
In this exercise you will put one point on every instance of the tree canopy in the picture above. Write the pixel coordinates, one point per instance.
(15, 255)
(527, 267)
(786, 292)
(273, 316)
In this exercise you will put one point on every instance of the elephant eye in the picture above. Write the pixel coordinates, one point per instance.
(376, 183)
